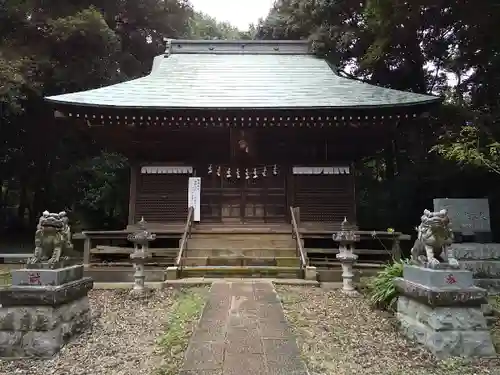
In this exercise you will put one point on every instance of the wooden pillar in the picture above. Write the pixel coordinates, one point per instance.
(134, 171)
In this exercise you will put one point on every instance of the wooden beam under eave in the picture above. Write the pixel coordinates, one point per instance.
(59, 114)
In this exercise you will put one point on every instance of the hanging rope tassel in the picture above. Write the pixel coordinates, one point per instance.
(255, 173)
(228, 174)
(218, 171)
(247, 175)
(210, 169)
(264, 172)
(238, 173)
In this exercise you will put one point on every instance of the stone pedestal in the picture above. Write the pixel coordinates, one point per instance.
(347, 260)
(42, 310)
(311, 273)
(172, 273)
(483, 260)
(441, 309)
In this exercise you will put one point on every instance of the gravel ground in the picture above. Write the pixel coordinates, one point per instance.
(123, 339)
(339, 335)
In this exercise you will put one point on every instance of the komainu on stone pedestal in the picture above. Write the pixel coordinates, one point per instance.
(442, 310)
(433, 244)
(52, 238)
(47, 303)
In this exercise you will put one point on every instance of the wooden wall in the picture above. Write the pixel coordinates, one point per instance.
(325, 198)
(161, 198)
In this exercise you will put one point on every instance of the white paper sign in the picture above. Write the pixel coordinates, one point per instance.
(194, 193)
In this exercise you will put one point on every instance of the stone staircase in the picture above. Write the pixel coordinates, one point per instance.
(244, 254)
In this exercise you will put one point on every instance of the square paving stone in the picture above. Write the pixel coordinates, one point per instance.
(242, 321)
(245, 289)
(267, 297)
(210, 330)
(273, 329)
(204, 356)
(245, 364)
(270, 312)
(241, 340)
(216, 309)
(201, 372)
(283, 354)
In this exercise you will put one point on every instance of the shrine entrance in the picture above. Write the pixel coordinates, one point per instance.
(241, 195)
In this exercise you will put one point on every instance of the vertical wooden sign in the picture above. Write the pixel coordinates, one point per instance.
(194, 195)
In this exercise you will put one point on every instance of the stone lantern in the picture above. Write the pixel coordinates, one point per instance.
(346, 239)
(141, 239)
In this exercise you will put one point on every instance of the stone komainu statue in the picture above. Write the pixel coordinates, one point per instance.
(433, 243)
(52, 238)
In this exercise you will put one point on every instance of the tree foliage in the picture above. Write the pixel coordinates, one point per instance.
(51, 47)
(433, 46)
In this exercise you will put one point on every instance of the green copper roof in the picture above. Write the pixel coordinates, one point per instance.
(241, 74)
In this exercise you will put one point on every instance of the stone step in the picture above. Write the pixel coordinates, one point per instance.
(241, 261)
(269, 252)
(241, 271)
(255, 242)
(244, 236)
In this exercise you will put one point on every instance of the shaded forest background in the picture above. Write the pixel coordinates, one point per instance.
(445, 47)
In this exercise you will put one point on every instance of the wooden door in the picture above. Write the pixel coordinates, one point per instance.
(264, 197)
(234, 198)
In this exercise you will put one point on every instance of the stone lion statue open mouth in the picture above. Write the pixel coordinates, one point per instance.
(433, 244)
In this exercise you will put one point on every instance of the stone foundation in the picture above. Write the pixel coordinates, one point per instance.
(41, 331)
(446, 331)
(483, 260)
(442, 310)
(43, 311)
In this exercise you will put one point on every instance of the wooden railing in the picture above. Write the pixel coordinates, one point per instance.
(295, 215)
(185, 236)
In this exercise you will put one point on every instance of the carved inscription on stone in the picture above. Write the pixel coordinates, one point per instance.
(468, 216)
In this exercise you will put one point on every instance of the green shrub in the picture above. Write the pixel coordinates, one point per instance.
(381, 290)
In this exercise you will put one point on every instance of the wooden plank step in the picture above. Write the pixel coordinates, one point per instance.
(161, 251)
(151, 263)
(318, 264)
(241, 261)
(311, 250)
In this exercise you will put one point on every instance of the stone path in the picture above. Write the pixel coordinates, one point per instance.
(243, 331)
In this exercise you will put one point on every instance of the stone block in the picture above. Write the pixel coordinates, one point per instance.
(482, 269)
(20, 295)
(444, 278)
(492, 285)
(43, 277)
(311, 273)
(172, 273)
(41, 331)
(472, 296)
(476, 251)
(446, 331)
(442, 318)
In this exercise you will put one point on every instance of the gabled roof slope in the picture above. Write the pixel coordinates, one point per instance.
(239, 75)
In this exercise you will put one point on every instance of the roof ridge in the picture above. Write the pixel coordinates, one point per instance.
(232, 47)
